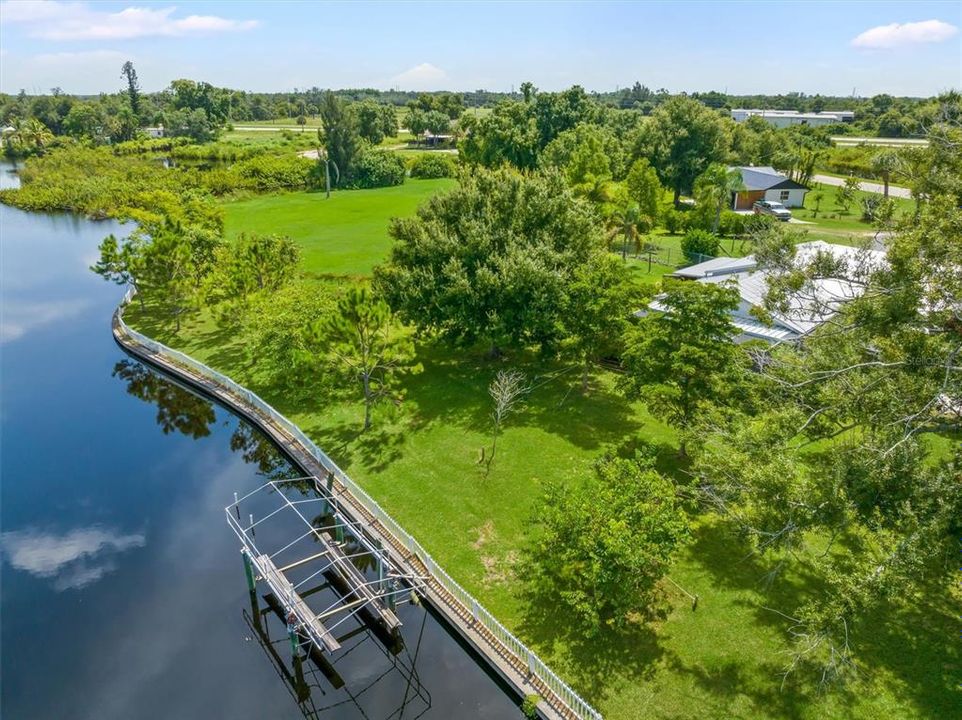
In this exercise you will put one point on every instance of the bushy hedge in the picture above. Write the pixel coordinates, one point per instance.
(732, 224)
(699, 245)
(377, 168)
(672, 220)
(433, 165)
(264, 173)
(851, 161)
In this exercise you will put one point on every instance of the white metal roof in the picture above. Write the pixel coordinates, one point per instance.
(806, 310)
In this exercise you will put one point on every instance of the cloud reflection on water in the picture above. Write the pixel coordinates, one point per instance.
(19, 318)
(73, 559)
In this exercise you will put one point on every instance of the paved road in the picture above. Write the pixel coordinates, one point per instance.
(894, 190)
(849, 140)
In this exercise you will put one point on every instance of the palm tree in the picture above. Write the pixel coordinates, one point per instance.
(884, 163)
(595, 188)
(717, 184)
(34, 133)
(624, 220)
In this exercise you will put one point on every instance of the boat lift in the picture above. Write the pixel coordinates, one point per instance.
(332, 546)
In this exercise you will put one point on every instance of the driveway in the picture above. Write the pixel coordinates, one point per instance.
(894, 190)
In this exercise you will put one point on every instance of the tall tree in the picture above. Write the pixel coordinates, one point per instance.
(644, 188)
(682, 138)
(133, 87)
(624, 221)
(876, 387)
(340, 137)
(884, 163)
(600, 300)
(492, 260)
(682, 360)
(370, 121)
(417, 123)
(605, 542)
(167, 261)
(248, 264)
(366, 340)
(714, 189)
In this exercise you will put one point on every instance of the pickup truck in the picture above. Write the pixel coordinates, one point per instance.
(775, 209)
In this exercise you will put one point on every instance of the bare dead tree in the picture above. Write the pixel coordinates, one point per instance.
(507, 391)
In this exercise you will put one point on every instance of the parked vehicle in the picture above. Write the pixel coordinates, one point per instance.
(775, 209)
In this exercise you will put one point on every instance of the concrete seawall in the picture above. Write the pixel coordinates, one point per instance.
(514, 663)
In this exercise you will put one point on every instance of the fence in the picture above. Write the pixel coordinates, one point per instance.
(535, 665)
(668, 257)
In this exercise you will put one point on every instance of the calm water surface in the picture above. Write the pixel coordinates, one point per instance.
(123, 593)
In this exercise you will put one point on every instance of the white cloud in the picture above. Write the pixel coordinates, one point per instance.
(899, 34)
(75, 559)
(51, 20)
(421, 77)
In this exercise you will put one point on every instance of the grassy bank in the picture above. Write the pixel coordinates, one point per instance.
(722, 660)
(343, 235)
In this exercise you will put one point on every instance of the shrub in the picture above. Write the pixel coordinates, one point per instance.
(377, 168)
(732, 224)
(876, 208)
(759, 224)
(672, 220)
(699, 245)
(273, 172)
(435, 165)
(529, 708)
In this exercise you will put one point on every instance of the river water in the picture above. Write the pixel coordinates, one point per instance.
(122, 592)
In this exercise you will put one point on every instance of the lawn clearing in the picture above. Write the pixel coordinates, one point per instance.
(832, 218)
(343, 235)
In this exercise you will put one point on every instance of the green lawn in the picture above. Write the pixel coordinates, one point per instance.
(833, 220)
(343, 235)
(722, 660)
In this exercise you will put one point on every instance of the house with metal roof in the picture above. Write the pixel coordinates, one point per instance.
(806, 310)
(766, 183)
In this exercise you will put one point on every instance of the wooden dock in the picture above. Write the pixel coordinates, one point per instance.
(462, 615)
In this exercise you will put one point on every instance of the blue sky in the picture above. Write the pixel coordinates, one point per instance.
(903, 48)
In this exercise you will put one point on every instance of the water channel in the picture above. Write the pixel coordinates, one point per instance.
(122, 592)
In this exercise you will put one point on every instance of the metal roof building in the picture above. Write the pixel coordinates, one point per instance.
(806, 310)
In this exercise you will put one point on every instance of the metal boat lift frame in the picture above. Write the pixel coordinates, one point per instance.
(378, 597)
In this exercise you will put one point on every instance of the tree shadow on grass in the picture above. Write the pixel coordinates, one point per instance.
(734, 681)
(453, 388)
(918, 643)
(374, 449)
(913, 641)
(592, 663)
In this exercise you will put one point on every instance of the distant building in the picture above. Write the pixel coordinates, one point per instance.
(806, 310)
(154, 132)
(766, 183)
(785, 118)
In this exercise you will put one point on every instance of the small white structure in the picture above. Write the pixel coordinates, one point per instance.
(807, 309)
(154, 132)
(785, 118)
(766, 183)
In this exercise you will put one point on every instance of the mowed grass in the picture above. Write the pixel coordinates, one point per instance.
(723, 660)
(833, 220)
(346, 234)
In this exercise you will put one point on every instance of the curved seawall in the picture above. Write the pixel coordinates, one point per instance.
(519, 666)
